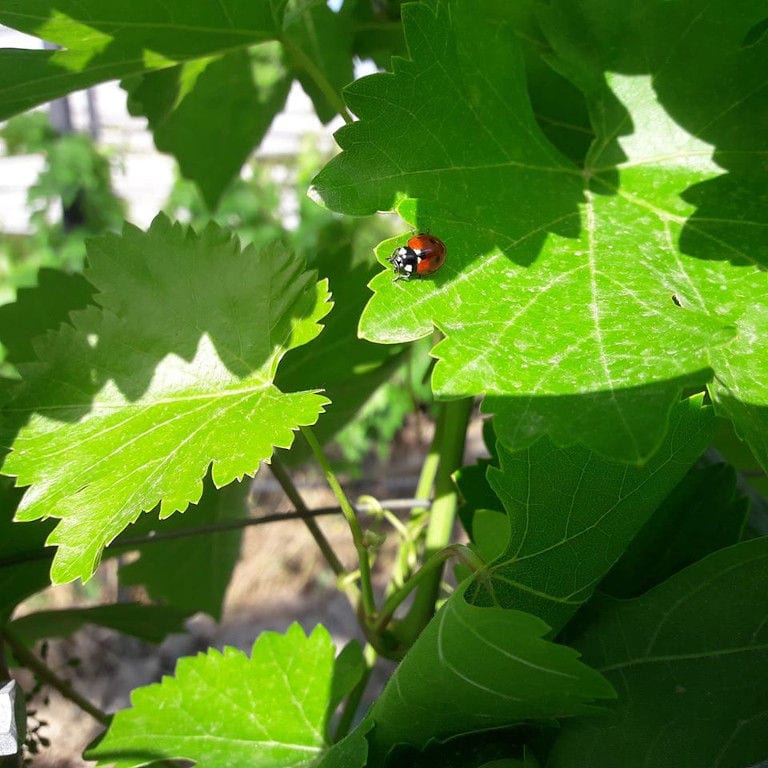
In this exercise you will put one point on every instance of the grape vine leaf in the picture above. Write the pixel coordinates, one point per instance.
(703, 513)
(689, 662)
(151, 623)
(579, 300)
(473, 669)
(202, 565)
(488, 749)
(224, 708)
(107, 39)
(707, 76)
(129, 405)
(572, 514)
(210, 113)
(41, 308)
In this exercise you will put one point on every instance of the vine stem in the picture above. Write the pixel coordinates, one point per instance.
(309, 66)
(450, 435)
(45, 674)
(406, 553)
(366, 587)
(286, 483)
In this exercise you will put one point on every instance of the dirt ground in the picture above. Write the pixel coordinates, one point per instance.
(280, 578)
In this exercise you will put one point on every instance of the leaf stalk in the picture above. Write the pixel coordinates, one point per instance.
(448, 442)
(366, 585)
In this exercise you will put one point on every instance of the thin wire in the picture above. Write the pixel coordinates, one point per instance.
(205, 530)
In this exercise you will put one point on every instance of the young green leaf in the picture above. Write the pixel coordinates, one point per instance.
(202, 564)
(689, 662)
(130, 404)
(224, 708)
(349, 670)
(581, 300)
(473, 669)
(572, 515)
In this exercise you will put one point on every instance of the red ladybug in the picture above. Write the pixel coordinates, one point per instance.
(422, 255)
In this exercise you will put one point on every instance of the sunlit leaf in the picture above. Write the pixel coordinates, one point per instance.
(579, 300)
(130, 404)
(225, 708)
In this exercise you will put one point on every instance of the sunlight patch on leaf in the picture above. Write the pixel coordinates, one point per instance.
(130, 404)
(93, 40)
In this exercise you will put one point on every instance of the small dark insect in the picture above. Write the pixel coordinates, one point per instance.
(676, 301)
(422, 255)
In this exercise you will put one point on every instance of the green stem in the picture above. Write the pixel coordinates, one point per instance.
(45, 674)
(309, 66)
(286, 483)
(452, 433)
(366, 586)
(432, 460)
(406, 552)
(460, 551)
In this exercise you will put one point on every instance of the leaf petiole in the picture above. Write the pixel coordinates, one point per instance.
(433, 564)
(366, 586)
(290, 490)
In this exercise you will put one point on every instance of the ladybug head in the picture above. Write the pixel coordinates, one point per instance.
(405, 261)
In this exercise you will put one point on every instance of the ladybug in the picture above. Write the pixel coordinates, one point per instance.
(422, 255)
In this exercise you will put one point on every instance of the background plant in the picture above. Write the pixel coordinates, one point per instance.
(76, 177)
(598, 175)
